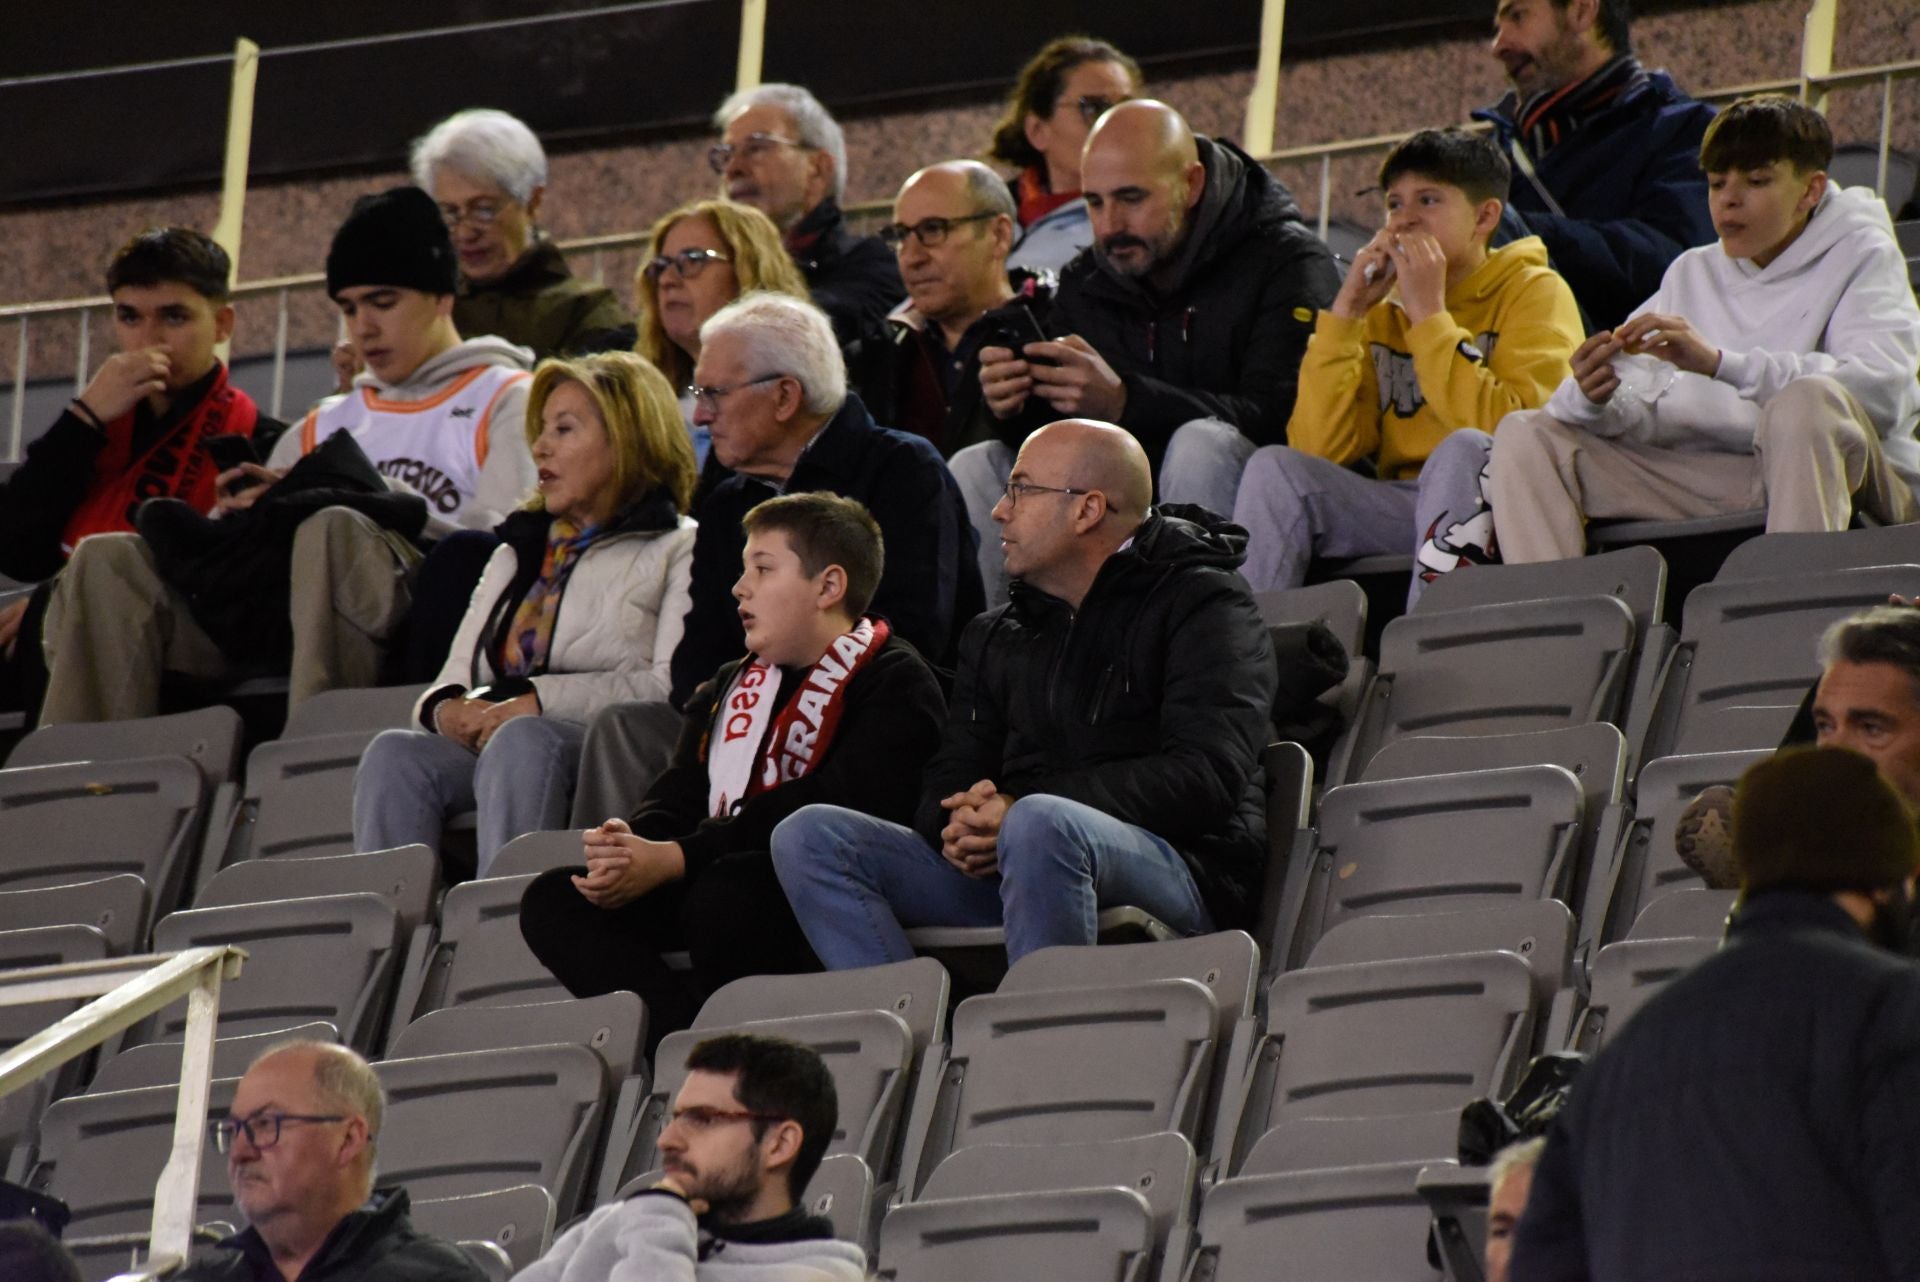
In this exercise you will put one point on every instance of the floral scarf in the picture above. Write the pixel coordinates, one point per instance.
(531, 636)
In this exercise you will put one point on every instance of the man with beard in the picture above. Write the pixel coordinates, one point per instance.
(1782, 1073)
(1605, 153)
(747, 1132)
(1184, 323)
(300, 1141)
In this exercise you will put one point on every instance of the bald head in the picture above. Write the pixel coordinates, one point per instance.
(966, 181)
(1142, 176)
(1097, 456)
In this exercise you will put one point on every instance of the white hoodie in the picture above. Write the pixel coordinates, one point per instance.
(1837, 303)
(470, 481)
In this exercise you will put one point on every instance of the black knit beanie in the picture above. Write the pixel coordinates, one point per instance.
(1821, 819)
(397, 239)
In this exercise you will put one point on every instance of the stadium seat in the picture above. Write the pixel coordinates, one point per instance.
(842, 1192)
(1746, 656)
(536, 852)
(43, 946)
(612, 1026)
(478, 958)
(1385, 1039)
(298, 799)
(1365, 1223)
(1497, 669)
(1779, 556)
(1341, 604)
(1160, 1168)
(208, 737)
(366, 710)
(115, 906)
(518, 1220)
(331, 958)
(1080, 1235)
(158, 1063)
(1635, 576)
(1626, 975)
(407, 877)
(1439, 843)
(1693, 913)
(1648, 866)
(481, 1121)
(82, 822)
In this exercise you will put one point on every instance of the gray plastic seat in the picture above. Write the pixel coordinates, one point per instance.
(208, 737)
(1161, 1168)
(1636, 576)
(1318, 1143)
(82, 822)
(1385, 1039)
(479, 957)
(518, 1220)
(331, 958)
(1498, 669)
(408, 877)
(1775, 556)
(1341, 604)
(1626, 976)
(42, 946)
(536, 852)
(367, 709)
(158, 1063)
(542, 1106)
(1649, 867)
(101, 1154)
(299, 797)
(1078, 1235)
(1354, 1224)
(1747, 657)
(612, 1026)
(115, 906)
(1693, 913)
(1440, 843)
(1539, 932)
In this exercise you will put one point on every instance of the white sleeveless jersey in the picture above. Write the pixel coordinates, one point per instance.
(436, 446)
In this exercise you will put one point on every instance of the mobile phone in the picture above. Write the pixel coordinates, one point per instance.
(1015, 330)
(230, 450)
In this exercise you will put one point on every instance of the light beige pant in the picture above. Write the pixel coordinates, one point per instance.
(114, 626)
(1816, 457)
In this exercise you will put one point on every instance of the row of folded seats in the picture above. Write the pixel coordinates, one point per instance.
(1490, 875)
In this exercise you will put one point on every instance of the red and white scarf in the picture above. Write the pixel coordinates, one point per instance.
(743, 758)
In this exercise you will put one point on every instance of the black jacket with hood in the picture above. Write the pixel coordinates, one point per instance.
(1218, 330)
(1151, 702)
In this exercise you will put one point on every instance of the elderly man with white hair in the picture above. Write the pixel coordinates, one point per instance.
(781, 152)
(488, 173)
(771, 387)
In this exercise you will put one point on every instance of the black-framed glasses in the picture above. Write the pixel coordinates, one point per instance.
(262, 1129)
(688, 262)
(708, 398)
(1091, 106)
(721, 154)
(1017, 490)
(699, 1117)
(928, 231)
(481, 213)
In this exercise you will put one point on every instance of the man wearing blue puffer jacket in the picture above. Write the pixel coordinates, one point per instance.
(1605, 153)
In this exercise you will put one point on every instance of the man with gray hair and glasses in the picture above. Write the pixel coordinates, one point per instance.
(781, 152)
(299, 1140)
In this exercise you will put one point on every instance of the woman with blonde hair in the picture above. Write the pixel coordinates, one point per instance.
(699, 258)
(581, 606)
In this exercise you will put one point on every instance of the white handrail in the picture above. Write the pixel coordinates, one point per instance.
(127, 990)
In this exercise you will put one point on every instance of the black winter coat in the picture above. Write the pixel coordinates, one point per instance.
(1223, 339)
(1755, 1122)
(376, 1243)
(855, 280)
(1151, 703)
(931, 585)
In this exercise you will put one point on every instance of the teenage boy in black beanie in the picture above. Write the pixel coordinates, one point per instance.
(436, 416)
(1756, 1119)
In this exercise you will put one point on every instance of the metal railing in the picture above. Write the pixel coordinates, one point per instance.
(127, 990)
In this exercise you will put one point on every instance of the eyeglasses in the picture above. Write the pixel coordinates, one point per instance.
(481, 213)
(1091, 108)
(721, 154)
(928, 231)
(262, 1129)
(1017, 490)
(688, 262)
(708, 398)
(698, 1117)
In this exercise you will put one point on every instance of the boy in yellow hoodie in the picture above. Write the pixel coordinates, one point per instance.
(1432, 339)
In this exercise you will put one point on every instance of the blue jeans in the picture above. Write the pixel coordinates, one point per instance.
(411, 782)
(856, 883)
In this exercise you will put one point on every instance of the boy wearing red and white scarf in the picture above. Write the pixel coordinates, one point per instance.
(828, 707)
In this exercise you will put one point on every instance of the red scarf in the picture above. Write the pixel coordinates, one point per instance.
(1036, 202)
(173, 467)
(743, 759)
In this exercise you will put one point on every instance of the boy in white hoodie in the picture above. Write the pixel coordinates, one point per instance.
(1775, 369)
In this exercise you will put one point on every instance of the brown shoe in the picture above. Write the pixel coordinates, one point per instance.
(1704, 838)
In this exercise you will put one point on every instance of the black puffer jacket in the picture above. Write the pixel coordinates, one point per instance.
(1151, 703)
(1218, 332)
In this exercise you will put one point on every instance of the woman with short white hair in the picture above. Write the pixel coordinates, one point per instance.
(488, 173)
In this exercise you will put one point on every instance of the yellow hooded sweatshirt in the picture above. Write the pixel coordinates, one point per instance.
(1380, 388)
